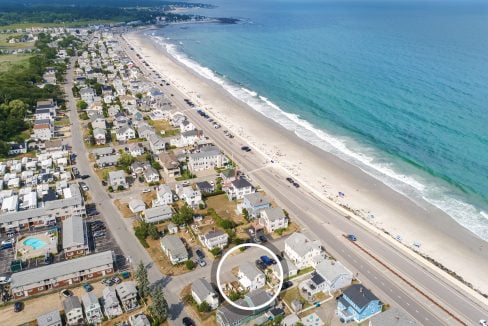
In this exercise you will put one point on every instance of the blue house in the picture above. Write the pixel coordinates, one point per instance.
(254, 203)
(357, 303)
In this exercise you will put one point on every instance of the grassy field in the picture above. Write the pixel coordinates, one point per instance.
(5, 44)
(69, 24)
(163, 125)
(9, 60)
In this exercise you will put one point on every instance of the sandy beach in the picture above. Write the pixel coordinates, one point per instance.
(438, 235)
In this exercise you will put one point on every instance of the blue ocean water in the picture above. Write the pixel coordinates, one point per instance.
(399, 88)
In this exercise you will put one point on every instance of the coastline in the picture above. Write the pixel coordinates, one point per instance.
(442, 238)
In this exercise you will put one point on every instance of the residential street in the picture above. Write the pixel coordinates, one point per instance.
(323, 222)
(120, 227)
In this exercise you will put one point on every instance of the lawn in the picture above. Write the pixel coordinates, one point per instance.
(123, 208)
(63, 122)
(163, 125)
(294, 294)
(302, 272)
(5, 44)
(103, 173)
(162, 260)
(225, 208)
(10, 60)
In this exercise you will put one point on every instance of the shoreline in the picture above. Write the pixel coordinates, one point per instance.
(442, 238)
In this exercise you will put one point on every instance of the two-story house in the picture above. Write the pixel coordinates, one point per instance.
(111, 304)
(273, 219)
(250, 277)
(254, 203)
(357, 303)
(238, 189)
(202, 291)
(174, 248)
(329, 276)
(164, 196)
(93, 310)
(302, 251)
(214, 239)
(73, 311)
(127, 293)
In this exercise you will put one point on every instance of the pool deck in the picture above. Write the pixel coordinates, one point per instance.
(25, 252)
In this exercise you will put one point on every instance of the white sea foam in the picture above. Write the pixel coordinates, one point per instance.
(368, 159)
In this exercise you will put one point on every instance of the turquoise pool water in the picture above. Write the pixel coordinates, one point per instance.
(34, 243)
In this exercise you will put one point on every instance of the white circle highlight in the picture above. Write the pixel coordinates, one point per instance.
(272, 254)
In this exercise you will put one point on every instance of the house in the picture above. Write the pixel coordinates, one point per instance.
(214, 239)
(238, 189)
(127, 293)
(52, 318)
(250, 277)
(117, 179)
(393, 317)
(125, 133)
(59, 275)
(136, 206)
(139, 320)
(145, 131)
(111, 305)
(192, 197)
(92, 308)
(17, 148)
(202, 291)
(227, 315)
(136, 150)
(75, 239)
(164, 196)
(208, 157)
(357, 303)
(73, 311)
(158, 214)
(186, 125)
(151, 175)
(187, 138)
(103, 151)
(228, 176)
(138, 167)
(174, 248)
(254, 203)
(205, 187)
(273, 219)
(170, 164)
(302, 251)
(43, 131)
(99, 136)
(156, 144)
(87, 94)
(98, 121)
(109, 160)
(329, 276)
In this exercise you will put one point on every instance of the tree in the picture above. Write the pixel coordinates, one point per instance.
(142, 281)
(153, 231)
(204, 307)
(245, 213)
(190, 265)
(159, 308)
(81, 105)
(125, 161)
(184, 215)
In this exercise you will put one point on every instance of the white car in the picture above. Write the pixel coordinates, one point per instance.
(146, 190)
(5, 280)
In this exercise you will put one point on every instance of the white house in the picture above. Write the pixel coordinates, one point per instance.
(164, 196)
(202, 291)
(127, 293)
(214, 239)
(158, 214)
(273, 219)
(156, 143)
(151, 175)
(250, 277)
(302, 251)
(88, 95)
(192, 197)
(329, 276)
(125, 133)
(99, 136)
(174, 248)
(139, 319)
(186, 125)
(187, 138)
(43, 131)
(73, 311)
(238, 189)
(136, 150)
(93, 310)
(137, 206)
(117, 178)
(208, 157)
(111, 305)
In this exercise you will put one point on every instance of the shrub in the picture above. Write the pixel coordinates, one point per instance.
(190, 265)
(204, 307)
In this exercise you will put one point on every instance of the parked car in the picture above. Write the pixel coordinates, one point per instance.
(87, 287)
(286, 285)
(146, 190)
(201, 262)
(18, 306)
(5, 280)
(66, 293)
(290, 180)
(107, 282)
(7, 244)
(268, 261)
(200, 254)
(296, 185)
(116, 280)
(262, 238)
(260, 265)
(187, 321)
(483, 322)
(99, 234)
(83, 186)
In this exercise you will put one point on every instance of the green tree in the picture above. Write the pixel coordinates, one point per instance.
(184, 215)
(204, 307)
(159, 308)
(142, 281)
(153, 232)
(81, 105)
(190, 265)
(125, 161)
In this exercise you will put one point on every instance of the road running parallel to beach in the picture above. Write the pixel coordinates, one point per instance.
(120, 228)
(328, 224)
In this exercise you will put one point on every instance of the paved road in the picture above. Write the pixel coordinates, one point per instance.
(327, 224)
(120, 227)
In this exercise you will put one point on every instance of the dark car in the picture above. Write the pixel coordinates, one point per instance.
(286, 285)
(187, 321)
(296, 185)
(263, 238)
(290, 180)
(85, 176)
(351, 237)
(18, 306)
(200, 254)
(259, 264)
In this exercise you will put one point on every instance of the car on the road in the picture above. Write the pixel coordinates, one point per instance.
(66, 293)
(18, 306)
(87, 287)
(187, 321)
(351, 237)
(245, 148)
(83, 186)
(290, 180)
(145, 190)
(200, 254)
(263, 238)
(296, 185)
(4, 280)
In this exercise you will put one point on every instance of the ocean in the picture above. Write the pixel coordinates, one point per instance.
(398, 88)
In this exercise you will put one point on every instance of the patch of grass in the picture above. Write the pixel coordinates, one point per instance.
(294, 294)
(21, 45)
(302, 272)
(163, 125)
(8, 61)
(63, 122)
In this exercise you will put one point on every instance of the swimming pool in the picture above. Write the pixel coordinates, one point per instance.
(34, 243)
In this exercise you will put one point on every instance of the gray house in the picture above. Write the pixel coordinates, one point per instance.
(52, 318)
(127, 293)
(174, 248)
(73, 310)
(93, 310)
(254, 203)
(229, 316)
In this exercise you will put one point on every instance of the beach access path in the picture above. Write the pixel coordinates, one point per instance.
(328, 224)
(120, 227)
